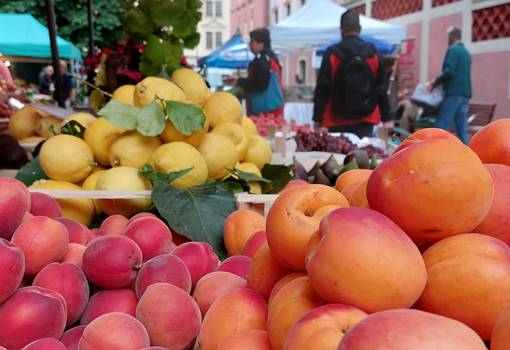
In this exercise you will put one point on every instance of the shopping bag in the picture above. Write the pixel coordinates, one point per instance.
(424, 98)
(269, 99)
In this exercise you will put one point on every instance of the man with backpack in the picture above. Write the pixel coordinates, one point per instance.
(351, 95)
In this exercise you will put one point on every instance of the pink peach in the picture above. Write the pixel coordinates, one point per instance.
(12, 268)
(238, 265)
(109, 300)
(199, 257)
(151, 234)
(44, 205)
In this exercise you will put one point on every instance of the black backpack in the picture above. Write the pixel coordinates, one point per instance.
(354, 92)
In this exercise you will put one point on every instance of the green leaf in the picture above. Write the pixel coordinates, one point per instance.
(235, 185)
(148, 69)
(120, 114)
(73, 128)
(151, 120)
(191, 41)
(137, 23)
(31, 172)
(164, 13)
(157, 178)
(158, 51)
(185, 118)
(198, 212)
(184, 25)
(279, 175)
(244, 176)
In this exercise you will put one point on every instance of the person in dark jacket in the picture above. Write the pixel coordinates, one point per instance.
(455, 79)
(324, 115)
(46, 80)
(260, 69)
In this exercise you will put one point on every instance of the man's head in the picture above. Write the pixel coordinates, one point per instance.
(454, 35)
(259, 40)
(349, 23)
(48, 70)
(63, 66)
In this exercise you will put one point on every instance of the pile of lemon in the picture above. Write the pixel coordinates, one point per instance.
(108, 157)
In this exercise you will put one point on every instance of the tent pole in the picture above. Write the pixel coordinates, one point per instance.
(52, 28)
(91, 28)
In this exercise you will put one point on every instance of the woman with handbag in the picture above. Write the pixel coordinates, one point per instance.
(262, 87)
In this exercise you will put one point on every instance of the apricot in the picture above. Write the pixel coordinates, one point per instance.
(237, 311)
(69, 281)
(213, 286)
(500, 338)
(283, 282)
(422, 188)
(12, 268)
(30, 314)
(141, 215)
(170, 315)
(238, 265)
(14, 203)
(109, 300)
(425, 134)
(71, 337)
(410, 330)
(113, 225)
(254, 243)
(468, 280)
(114, 331)
(358, 198)
(42, 240)
(78, 233)
(251, 339)
(44, 205)
(294, 183)
(347, 182)
(491, 142)
(199, 258)
(359, 257)
(291, 221)
(239, 227)
(165, 268)
(323, 328)
(112, 261)
(74, 254)
(45, 344)
(151, 234)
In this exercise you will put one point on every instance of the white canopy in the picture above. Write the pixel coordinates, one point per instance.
(318, 23)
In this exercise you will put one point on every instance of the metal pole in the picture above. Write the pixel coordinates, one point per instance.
(52, 28)
(91, 28)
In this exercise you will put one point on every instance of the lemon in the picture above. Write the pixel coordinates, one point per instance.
(100, 135)
(123, 179)
(83, 118)
(48, 126)
(246, 167)
(90, 184)
(249, 126)
(133, 149)
(81, 210)
(219, 153)
(150, 87)
(66, 158)
(175, 156)
(259, 151)
(124, 94)
(223, 107)
(31, 140)
(23, 123)
(171, 134)
(236, 134)
(192, 84)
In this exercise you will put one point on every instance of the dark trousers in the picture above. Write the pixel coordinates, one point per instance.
(361, 129)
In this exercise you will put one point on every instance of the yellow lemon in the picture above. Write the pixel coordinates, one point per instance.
(31, 140)
(100, 135)
(150, 87)
(171, 134)
(66, 158)
(249, 126)
(254, 186)
(48, 126)
(259, 151)
(175, 156)
(236, 134)
(124, 94)
(23, 123)
(223, 107)
(90, 184)
(81, 210)
(192, 84)
(133, 149)
(83, 118)
(219, 153)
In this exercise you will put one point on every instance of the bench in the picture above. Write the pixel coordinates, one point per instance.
(479, 115)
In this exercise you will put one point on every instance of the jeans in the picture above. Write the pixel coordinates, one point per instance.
(454, 109)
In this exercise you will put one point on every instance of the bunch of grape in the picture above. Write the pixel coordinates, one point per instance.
(322, 142)
(375, 151)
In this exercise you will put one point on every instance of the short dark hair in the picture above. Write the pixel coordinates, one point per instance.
(349, 21)
(261, 35)
(455, 33)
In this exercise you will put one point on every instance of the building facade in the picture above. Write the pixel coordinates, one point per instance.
(247, 15)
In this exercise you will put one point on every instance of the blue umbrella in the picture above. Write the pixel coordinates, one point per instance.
(233, 54)
(383, 47)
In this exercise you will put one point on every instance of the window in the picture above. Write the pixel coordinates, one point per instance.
(209, 8)
(209, 40)
(218, 39)
(287, 9)
(275, 15)
(219, 9)
(301, 76)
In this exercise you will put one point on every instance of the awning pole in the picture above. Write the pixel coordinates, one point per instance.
(91, 28)
(52, 28)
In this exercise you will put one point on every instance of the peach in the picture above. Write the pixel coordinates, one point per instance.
(238, 265)
(497, 221)
(141, 215)
(74, 254)
(213, 286)
(44, 205)
(69, 281)
(113, 225)
(265, 271)
(170, 315)
(12, 268)
(93, 234)
(294, 300)
(361, 258)
(323, 327)
(239, 227)
(468, 280)
(14, 203)
(291, 221)
(114, 331)
(179, 239)
(43, 241)
(165, 268)
(45, 344)
(71, 337)
(237, 311)
(109, 300)
(425, 134)
(78, 233)
(151, 234)
(348, 182)
(155, 348)
(27, 217)
(410, 330)
(254, 243)
(500, 338)
(111, 261)
(294, 183)
(283, 282)
(422, 188)
(199, 257)
(29, 314)
(251, 339)
(491, 142)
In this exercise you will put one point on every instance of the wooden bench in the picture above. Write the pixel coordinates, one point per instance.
(479, 115)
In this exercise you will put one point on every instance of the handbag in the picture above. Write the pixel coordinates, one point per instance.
(269, 99)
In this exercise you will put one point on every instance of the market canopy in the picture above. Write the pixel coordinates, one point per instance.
(233, 54)
(23, 35)
(317, 23)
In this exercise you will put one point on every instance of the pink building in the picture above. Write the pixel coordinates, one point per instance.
(248, 15)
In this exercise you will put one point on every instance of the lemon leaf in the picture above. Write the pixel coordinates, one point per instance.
(186, 118)
(156, 177)
(31, 172)
(73, 128)
(279, 175)
(151, 120)
(120, 114)
(244, 176)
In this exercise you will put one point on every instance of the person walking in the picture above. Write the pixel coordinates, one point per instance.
(455, 79)
(46, 80)
(351, 91)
